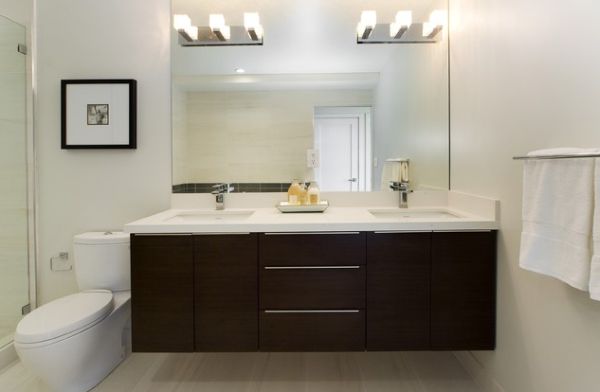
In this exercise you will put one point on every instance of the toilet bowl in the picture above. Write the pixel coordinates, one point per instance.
(74, 342)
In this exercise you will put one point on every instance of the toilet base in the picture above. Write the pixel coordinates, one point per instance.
(81, 361)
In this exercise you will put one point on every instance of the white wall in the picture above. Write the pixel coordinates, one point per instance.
(526, 75)
(98, 190)
(255, 136)
(21, 11)
(411, 114)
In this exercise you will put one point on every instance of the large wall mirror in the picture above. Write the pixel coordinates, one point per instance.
(311, 102)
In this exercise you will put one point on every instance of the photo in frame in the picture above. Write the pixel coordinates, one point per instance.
(98, 113)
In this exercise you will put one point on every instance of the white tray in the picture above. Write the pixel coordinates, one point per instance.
(284, 206)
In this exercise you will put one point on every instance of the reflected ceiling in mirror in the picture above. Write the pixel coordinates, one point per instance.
(310, 103)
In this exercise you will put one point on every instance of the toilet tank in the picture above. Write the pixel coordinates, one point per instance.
(102, 261)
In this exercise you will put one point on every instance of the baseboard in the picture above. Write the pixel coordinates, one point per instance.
(474, 368)
(7, 355)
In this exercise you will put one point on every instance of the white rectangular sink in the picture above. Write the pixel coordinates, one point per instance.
(209, 216)
(400, 214)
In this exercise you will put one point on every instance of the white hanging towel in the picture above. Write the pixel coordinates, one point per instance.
(595, 268)
(558, 208)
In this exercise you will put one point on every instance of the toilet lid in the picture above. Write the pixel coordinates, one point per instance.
(64, 315)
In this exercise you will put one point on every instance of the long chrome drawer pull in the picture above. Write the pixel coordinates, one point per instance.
(162, 234)
(464, 231)
(308, 267)
(402, 231)
(313, 311)
(223, 233)
(318, 233)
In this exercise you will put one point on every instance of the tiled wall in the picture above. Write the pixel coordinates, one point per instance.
(250, 136)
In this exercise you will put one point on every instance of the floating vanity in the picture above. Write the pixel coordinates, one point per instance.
(356, 277)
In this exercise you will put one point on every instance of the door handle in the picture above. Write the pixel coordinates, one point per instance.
(353, 179)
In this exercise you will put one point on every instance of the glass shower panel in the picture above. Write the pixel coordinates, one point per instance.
(14, 279)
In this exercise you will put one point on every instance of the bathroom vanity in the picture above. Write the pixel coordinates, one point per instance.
(353, 278)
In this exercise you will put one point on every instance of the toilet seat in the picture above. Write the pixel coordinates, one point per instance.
(63, 316)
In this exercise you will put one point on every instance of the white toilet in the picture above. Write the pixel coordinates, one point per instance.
(74, 342)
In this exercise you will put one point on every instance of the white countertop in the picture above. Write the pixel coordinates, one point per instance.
(333, 219)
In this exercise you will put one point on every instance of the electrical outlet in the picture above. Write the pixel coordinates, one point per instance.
(312, 158)
(61, 262)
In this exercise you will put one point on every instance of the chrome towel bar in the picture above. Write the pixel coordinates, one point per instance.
(565, 156)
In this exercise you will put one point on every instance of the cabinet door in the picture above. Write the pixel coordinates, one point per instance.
(162, 293)
(226, 293)
(463, 291)
(398, 269)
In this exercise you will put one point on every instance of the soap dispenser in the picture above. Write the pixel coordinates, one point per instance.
(313, 193)
(294, 192)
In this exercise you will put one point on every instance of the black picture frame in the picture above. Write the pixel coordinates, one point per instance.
(132, 110)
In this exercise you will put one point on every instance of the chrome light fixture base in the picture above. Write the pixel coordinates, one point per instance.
(207, 37)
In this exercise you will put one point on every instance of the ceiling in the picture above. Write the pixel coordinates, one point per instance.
(301, 36)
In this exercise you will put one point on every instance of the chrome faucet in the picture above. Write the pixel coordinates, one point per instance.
(403, 189)
(219, 192)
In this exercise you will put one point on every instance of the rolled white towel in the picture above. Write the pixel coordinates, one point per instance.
(558, 207)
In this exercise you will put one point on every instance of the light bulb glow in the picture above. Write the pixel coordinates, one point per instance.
(369, 18)
(402, 23)
(251, 20)
(428, 28)
(437, 21)
(192, 31)
(216, 21)
(181, 22)
(368, 21)
(226, 31)
(253, 26)
(438, 18)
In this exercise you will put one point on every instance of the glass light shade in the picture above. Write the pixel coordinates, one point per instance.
(226, 31)
(404, 18)
(192, 31)
(369, 19)
(181, 22)
(438, 18)
(428, 28)
(251, 20)
(216, 21)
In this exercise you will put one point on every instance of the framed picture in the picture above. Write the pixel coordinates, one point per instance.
(98, 113)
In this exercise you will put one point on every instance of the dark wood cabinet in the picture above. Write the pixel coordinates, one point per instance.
(226, 292)
(463, 290)
(398, 270)
(314, 291)
(162, 293)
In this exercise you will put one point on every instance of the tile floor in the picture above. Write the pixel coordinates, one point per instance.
(276, 372)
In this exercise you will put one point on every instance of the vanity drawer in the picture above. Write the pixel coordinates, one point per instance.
(312, 330)
(306, 249)
(316, 287)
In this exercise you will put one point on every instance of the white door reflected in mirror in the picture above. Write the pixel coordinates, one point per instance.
(341, 135)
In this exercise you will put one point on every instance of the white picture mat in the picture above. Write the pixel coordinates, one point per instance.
(114, 95)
